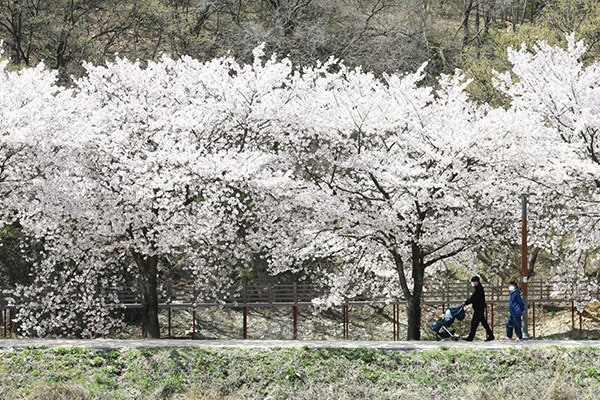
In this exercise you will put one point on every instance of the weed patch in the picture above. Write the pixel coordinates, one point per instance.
(175, 373)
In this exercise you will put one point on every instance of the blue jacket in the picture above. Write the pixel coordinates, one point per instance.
(516, 304)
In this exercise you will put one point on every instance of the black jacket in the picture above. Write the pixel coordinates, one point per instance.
(477, 299)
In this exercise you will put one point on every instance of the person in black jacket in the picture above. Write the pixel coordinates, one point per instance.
(477, 299)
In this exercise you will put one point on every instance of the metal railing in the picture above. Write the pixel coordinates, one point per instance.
(186, 295)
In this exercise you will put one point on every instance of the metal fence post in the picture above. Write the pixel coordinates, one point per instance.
(245, 322)
(169, 322)
(169, 298)
(533, 322)
(572, 317)
(492, 318)
(245, 311)
(398, 321)
(394, 319)
(55, 329)
(295, 311)
(194, 322)
(346, 322)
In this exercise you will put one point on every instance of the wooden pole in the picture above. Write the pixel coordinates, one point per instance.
(143, 331)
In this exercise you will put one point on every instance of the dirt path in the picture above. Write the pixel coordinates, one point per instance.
(14, 344)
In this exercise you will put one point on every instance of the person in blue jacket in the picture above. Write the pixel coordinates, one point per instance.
(516, 308)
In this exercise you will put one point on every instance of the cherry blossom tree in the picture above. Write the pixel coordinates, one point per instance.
(157, 163)
(34, 110)
(564, 93)
(27, 100)
(398, 179)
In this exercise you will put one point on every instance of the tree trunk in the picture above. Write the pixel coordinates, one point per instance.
(486, 22)
(477, 17)
(61, 49)
(532, 260)
(17, 32)
(515, 16)
(413, 304)
(413, 300)
(413, 315)
(149, 274)
(478, 37)
(465, 22)
(524, 11)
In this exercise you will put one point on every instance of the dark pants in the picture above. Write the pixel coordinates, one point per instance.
(479, 316)
(514, 322)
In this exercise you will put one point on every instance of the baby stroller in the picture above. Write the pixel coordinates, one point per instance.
(440, 327)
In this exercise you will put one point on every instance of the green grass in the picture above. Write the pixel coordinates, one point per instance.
(196, 373)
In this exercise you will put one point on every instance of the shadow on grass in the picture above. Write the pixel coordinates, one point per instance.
(586, 334)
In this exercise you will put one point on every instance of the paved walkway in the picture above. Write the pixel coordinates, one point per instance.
(13, 344)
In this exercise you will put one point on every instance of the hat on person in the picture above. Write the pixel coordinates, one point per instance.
(475, 279)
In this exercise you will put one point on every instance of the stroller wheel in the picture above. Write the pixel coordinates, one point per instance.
(437, 338)
(455, 338)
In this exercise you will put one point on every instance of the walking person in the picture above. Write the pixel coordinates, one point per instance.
(477, 299)
(516, 308)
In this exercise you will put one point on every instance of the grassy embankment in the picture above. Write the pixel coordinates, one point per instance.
(195, 373)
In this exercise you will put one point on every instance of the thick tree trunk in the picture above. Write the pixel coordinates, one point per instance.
(413, 304)
(148, 267)
(413, 315)
(413, 300)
